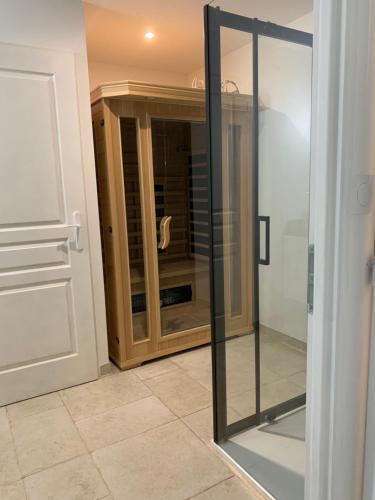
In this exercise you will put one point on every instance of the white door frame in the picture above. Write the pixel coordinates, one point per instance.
(369, 473)
(343, 230)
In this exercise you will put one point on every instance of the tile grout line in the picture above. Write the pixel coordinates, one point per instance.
(188, 375)
(134, 435)
(170, 409)
(125, 404)
(87, 451)
(41, 396)
(195, 433)
(119, 372)
(90, 453)
(221, 458)
(144, 382)
(142, 433)
(107, 409)
(180, 419)
(196, 380)
(12, 483)
(120, 441)
(25, 476)
(174, 413)
(210, 448)
(36, 413)
(110, 409)
(209, 488)
(22, 477)
(153, 376)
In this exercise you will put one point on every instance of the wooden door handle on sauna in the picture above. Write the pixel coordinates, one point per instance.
(165, 236)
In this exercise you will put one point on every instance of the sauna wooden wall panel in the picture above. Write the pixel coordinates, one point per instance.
(107, 214)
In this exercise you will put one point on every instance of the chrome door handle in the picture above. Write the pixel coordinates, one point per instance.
(77, 229)
(165, 235)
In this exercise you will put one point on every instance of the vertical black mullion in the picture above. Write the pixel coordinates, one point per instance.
(256, 243)
(213, 104)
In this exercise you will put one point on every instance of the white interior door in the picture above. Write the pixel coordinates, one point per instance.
(47, 334)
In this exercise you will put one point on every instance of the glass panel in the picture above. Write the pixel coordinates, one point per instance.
(181, 205)
(128, 128)
(236, 217)
(284, 170)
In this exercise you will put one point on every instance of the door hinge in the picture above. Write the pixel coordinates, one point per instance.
(310, 280)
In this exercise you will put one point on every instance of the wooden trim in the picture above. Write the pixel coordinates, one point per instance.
(146, 90)
(115, 209)
(198, 329)
(242, 322)
(122, 235)
(177, 345)
(148, 197)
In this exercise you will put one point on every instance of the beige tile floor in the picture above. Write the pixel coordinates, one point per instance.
(282, 372)
(136, 435)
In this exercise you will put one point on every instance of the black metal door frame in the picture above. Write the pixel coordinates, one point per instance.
(214, 20)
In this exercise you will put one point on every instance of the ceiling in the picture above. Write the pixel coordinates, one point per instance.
(115, 29)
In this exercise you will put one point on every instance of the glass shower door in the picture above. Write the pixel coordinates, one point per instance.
(258, 93)
(135, 228)
(283, 199)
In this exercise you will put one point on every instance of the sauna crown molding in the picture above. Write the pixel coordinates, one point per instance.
(163, 93)
(151, 91)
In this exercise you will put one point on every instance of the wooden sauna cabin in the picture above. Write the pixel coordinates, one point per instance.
(152, 173)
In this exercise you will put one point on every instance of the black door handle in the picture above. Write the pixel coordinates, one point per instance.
(267, 259)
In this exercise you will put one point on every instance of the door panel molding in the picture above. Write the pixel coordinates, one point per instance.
(48, 333)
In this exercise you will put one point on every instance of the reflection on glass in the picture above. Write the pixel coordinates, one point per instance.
(181, 206)
(235, 217)
(240, 377)
(128, 128)
(284, 169)
(235, 222)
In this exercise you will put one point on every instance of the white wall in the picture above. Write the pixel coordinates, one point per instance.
(284, 170)
(100, 73)
(233, 66)
(59, 24)
(304, 23)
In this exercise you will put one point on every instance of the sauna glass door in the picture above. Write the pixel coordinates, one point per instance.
(180, 173)
(134, 234)
(259, 102)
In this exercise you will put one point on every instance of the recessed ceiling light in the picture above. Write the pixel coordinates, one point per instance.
(149, 35)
